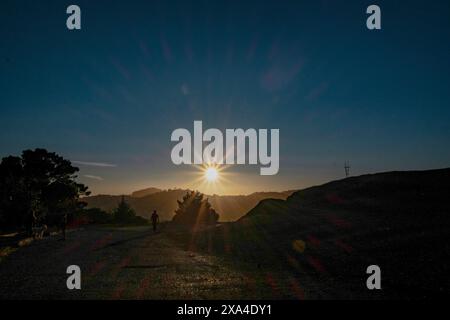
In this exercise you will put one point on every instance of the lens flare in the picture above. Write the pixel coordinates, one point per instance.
(211, 174)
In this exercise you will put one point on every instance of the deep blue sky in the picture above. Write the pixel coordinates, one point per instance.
(114, 91)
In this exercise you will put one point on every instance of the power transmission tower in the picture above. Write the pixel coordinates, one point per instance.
(347, 169)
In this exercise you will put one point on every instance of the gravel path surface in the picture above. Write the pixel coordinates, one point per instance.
(120, 263)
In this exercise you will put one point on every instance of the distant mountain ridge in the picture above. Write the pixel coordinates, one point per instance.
(145, 192)
(230, 207)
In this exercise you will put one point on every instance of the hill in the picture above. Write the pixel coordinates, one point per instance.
(145, 192)
(230, 208)
(328, 235)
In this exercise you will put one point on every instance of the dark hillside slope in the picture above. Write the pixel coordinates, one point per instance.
(326, 236)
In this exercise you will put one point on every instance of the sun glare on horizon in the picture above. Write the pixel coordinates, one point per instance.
(210, 179)
(211, 174)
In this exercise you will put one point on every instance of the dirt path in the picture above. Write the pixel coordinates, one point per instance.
(120, 263)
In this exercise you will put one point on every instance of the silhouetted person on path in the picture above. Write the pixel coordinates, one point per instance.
(155, 220)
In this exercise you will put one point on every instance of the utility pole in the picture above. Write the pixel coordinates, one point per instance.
(347, 169)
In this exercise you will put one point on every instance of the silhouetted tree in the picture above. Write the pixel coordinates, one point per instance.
(194, 211)
(124, 213)
(38, 186)
(14, 200)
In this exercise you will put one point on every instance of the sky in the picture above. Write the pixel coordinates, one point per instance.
(108, 96)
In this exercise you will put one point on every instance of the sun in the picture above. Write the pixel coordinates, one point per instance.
(211, 174)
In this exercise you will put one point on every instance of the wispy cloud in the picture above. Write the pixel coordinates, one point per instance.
(94, 164)
(89, 176)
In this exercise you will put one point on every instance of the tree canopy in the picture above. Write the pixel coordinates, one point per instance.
(36, 187)
(194, 211)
